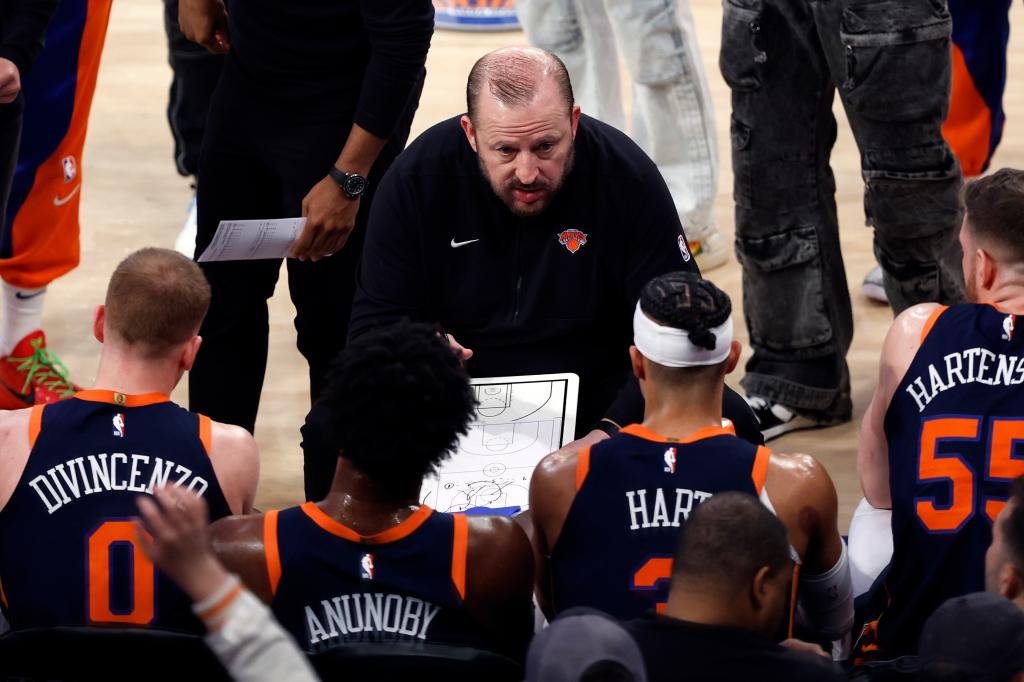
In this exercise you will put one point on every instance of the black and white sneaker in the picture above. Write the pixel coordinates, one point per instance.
(778, 419)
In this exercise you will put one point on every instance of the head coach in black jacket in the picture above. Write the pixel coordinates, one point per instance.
(526, 231)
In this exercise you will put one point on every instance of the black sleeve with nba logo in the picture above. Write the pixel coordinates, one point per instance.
(22, 30)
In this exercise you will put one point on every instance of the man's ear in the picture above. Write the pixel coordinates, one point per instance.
(470, 130)
(735, 348)
(1011, 582)
(987, 270)
(759, 589)
(575, 119)
(189, 352)
(637, 362)
(98, 320)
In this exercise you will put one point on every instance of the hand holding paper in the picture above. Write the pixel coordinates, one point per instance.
(253, 239)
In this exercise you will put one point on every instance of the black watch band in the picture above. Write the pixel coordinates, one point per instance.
(353, 185)
(608, 426)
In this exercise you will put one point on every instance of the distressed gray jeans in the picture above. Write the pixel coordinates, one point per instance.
(672, 119)
(891, 63)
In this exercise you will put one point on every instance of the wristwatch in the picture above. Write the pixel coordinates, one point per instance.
(352, 184)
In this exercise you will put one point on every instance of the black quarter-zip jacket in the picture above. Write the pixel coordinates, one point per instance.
(551, 293)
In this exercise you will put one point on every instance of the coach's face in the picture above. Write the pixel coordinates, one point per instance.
(525, 151)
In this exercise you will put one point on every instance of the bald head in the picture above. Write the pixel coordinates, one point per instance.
(514, 75)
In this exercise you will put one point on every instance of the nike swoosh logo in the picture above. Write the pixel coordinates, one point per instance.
(456, 244)
(58, 201)
(25, 297)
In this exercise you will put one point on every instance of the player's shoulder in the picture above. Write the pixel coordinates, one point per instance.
(15, 424)
(556, 471)
(231, 532)
(499, 555)
(557, 462)
(231, 438)
(912, 324)
(800, 476)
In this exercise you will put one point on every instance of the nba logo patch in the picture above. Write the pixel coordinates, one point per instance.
(70, 168)
(670, 461)
(366, 567)
(118, 422)
(572, 240)
(1009, 322)
(684, 249)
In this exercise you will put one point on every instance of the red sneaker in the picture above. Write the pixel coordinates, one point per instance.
(32, 375)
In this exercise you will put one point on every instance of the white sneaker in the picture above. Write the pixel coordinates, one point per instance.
(708, 247)
(185, 244)
(873, 286)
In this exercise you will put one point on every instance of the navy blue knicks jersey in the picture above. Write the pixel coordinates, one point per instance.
(634, 492)
(68, 554)
(955, 431)
(332, 586)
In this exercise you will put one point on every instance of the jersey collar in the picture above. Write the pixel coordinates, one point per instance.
(98, 395)
(335, 527)
(641, 431)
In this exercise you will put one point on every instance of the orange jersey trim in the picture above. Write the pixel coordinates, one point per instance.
(271, 550)
(460, 549)
(760, 472)
(792, 599)
(641, 431)
(98, 395)
(35, 424)
(226, 601)
(402, 530)
(582, 466)
(932, 319)
(206, 433)
(3, 596)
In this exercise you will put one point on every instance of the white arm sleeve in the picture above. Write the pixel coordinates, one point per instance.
(826, 600)
(248, 640)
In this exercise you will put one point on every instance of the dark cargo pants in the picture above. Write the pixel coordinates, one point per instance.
(784, 60)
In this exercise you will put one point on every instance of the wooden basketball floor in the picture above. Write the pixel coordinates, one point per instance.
(133, 198)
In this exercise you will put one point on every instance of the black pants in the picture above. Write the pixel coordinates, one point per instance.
(784, 61)
(10, 140)
(259, 159)
(196, 71)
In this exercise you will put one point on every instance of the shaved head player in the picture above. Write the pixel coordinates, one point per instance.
(70, 471)
(369, 563)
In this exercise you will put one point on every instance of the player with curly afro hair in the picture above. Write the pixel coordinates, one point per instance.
(398, 399)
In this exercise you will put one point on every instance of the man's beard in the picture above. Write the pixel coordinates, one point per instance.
(969, 289)
(505, 192)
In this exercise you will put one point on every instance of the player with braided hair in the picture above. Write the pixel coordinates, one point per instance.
(612, 513)
(369, 563)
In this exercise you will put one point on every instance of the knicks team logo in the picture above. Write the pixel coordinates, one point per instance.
(572, 240)
(684, 248)
(1008, 324)
(366, 567)
(118, 422)
(70, 168)
(670, 461)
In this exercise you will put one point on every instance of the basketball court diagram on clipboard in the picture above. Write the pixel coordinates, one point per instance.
(518, 421)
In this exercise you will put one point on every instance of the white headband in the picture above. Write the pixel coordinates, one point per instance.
(672, 347)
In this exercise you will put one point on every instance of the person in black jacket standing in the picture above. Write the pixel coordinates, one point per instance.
(314, 103)
(526, 231)
(22, 30)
